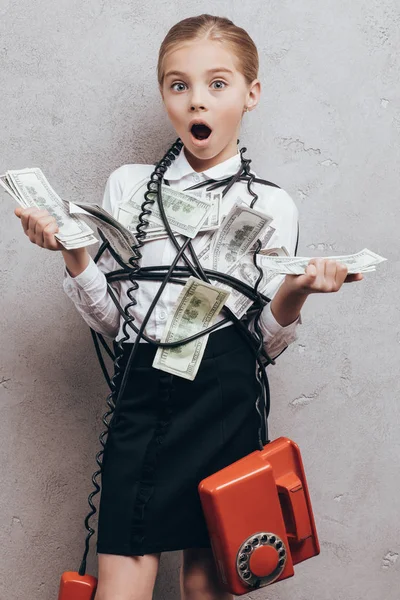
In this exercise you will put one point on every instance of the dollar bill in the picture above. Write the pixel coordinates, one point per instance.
(265, 239)
(361, 262)
(282, 251)
(196, 308)
(213, 219)
(6, 185)
(185, 213)
(154, 235)
(30, 188)
(205, 255)
(269, 231)
(238, 232)
(130, 217)
(121, 240)
(246, 271)
(129, 213)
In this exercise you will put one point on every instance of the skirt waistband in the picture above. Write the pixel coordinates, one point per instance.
(219, 342)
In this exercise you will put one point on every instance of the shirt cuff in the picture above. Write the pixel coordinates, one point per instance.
(274, 328)
(85, 279)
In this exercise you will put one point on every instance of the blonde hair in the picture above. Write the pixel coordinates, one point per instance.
(215, 29)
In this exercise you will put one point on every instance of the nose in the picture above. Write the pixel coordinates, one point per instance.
(197, 100)
(195, 107)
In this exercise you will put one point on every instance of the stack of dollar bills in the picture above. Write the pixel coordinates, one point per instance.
(362, 262)
(30, 188)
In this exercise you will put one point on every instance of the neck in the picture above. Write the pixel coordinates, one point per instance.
(202, 164)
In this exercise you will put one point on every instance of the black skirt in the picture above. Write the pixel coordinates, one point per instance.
(167, 435)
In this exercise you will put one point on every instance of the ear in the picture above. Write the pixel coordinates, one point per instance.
(253, 94)
(161, 92)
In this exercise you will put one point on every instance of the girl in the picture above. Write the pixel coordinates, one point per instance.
(168, 433)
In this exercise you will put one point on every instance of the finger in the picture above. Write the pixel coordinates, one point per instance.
(320, 277)
(41, 223)
(330, 276)
(38, 231)
(354, 277)
(311, 273)
(18, 211)
(307, 281)
(40, 213)
(341, 274)
(25, 216)
(311, 270)
(33, 218)
(31, 236)
(49, 241)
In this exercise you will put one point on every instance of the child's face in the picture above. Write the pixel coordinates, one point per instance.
(191, 91)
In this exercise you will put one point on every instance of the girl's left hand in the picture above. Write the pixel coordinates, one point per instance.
(322, 275)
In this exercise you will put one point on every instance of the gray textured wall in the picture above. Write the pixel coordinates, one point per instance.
(79, 98)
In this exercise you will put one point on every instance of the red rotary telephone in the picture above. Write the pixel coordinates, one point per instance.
(259, 517)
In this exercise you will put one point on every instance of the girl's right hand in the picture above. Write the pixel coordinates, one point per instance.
(40, 227)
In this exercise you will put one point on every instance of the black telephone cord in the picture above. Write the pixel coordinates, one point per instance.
(132, 271)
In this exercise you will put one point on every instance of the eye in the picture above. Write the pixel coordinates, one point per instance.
(177, 83)
(219, 87)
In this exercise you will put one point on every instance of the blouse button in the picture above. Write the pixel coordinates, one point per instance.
(196, 178)
(162, 315)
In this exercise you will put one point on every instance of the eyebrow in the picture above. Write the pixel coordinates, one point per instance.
(181, 74)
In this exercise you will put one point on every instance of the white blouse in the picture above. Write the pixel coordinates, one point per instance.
(88, 290)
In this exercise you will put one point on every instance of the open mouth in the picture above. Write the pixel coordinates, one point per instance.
(200, 131)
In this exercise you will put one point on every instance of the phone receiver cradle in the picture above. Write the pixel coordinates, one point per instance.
(259, 517)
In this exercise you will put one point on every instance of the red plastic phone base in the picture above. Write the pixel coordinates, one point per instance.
(259, 517)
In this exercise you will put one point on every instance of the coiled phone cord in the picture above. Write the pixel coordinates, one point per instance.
(132, 272)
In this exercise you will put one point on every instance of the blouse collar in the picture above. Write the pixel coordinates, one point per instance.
(180, 167)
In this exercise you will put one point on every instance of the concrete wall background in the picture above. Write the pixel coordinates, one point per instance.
(79, 98)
